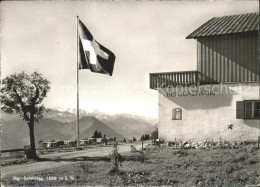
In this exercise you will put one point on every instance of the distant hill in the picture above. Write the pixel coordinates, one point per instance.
(15, 134)
(129, 126)
(89, 124)
(8, 117)
(62, 116)
(62, 125)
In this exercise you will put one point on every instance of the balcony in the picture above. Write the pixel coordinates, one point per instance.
(183, 78)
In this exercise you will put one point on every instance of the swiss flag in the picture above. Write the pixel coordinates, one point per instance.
(93, 55)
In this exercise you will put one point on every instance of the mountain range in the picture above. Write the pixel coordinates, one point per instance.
(61, 125)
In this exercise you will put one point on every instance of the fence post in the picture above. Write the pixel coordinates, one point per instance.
(115, 155)
(142, 149)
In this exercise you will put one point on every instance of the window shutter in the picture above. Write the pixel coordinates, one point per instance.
(180, 114)
(173, 114)
(240, 110)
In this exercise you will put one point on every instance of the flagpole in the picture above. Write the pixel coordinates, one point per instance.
(77, 83)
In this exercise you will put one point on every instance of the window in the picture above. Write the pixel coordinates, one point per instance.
(248, 109)
(177, 114)
(252, 109)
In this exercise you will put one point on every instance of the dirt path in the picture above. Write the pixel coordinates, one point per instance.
(30, 167)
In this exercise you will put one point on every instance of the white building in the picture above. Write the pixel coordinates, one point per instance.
(220, 99)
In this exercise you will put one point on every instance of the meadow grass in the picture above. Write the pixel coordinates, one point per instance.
(162, 166)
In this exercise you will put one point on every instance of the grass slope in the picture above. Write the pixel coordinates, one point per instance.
(162, 167)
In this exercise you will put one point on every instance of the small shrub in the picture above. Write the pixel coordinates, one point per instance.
(210, 180)
(253, 160)
(181, 152)
(116, 158)
(253, 149)
(241, 158)
(198, 180)
(212, 170)
(229, 169)
(114, 171)
(85, 167)
(241, 177)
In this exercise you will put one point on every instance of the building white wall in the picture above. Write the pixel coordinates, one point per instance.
(207, 117)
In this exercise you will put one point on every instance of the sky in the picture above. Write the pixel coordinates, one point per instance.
(145, 36)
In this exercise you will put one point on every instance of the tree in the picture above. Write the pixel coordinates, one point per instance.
(95, 134)
(154, 134)
(23, 94)
(134, 139)
(145, 137)
(99, 135)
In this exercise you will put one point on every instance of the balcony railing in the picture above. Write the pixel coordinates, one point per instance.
(164, 80)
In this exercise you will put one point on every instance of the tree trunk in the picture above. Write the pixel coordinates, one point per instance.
(32, 153)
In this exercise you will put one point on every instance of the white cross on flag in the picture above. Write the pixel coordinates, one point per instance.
(93, 55)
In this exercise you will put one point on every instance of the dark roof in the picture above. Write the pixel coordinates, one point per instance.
(227, 25)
